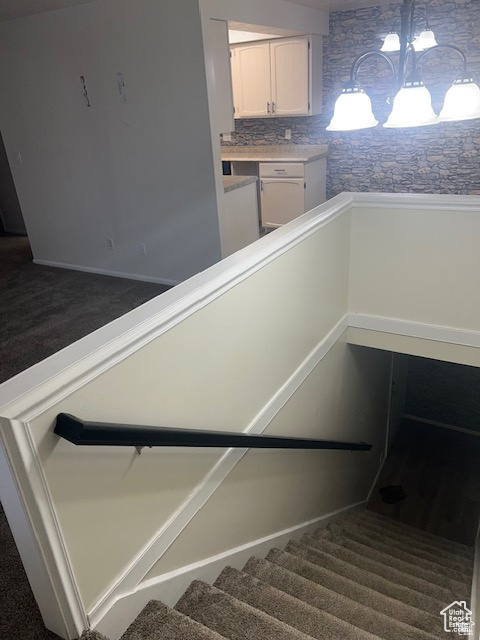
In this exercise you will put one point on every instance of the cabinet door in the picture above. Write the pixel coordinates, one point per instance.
(290, 76)
(281, 200)
(251, 80)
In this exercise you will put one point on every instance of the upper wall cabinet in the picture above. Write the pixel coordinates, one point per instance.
(281, 77)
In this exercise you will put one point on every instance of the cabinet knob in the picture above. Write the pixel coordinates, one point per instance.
(268, 107)
(273, 107)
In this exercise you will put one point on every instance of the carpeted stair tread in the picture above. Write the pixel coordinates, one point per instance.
(232, 618)
(407, 528)
(363, 577)
(317, 622)
(451, 558)
(459, 589)
(159, 622)
(391, 582)
(390, 526)
(339, 606)
(348, 587)
(453, 564)
(397, 555)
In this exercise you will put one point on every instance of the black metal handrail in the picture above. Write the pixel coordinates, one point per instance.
(80, 432)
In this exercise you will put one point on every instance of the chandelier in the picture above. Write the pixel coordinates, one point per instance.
(412, 105)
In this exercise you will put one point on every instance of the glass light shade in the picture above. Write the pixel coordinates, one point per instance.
(462, 101)
(417, 45)
(412, 107)
(426, 40)
(353, 110)
(391, 42)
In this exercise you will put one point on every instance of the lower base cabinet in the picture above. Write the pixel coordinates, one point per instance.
(289, 189)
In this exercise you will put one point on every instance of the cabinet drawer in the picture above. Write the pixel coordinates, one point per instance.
(282, 169)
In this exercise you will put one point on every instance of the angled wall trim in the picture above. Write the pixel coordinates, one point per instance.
(169, 587)
(156, 547)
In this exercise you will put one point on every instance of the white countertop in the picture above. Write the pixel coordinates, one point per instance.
(275, 153)
(236, 182)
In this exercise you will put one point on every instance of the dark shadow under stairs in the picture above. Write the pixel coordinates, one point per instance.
(363, 577)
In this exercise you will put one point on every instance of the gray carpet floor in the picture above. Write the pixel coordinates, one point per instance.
(42, 310)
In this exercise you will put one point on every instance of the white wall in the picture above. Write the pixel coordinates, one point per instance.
(252, 344)
(257, 344)
(344, 398)
(268, 13)
(422, 265)
(415, 275)
(137, 172)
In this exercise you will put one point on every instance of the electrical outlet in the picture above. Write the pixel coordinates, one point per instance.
(110, 244)
(142, 249)
(288, 134)
(227, 137)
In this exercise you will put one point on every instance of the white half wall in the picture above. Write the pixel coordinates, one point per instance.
(123, 155)
(256, 343)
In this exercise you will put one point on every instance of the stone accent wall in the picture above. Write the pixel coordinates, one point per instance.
(444, 158)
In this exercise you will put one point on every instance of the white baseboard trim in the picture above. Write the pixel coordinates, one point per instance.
(443, 425)
(166, 536)
(107, 272)
(169, 587)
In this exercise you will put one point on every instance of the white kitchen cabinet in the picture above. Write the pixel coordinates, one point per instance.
(289, 189)
(251, 80)
(280, 77)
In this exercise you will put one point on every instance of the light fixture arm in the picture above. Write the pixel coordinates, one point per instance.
(357, 63)
(452, 47)
(407, 29)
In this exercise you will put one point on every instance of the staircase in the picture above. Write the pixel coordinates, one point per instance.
(364, 577)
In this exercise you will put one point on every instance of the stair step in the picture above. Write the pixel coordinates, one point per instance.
(318, 596)
(410, 535)
(158, 622)
(391, 582)
(410, 540)
(317, 622)
(451, 545)
(458, 590)
(442, 558)
(232, 618)
(361, 593)
(394, 555)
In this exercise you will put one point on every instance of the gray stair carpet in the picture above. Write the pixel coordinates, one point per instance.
(363, 577)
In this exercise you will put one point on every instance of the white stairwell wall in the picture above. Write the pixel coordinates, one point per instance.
(256, 343)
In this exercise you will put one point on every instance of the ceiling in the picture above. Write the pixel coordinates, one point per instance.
(18, 8)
